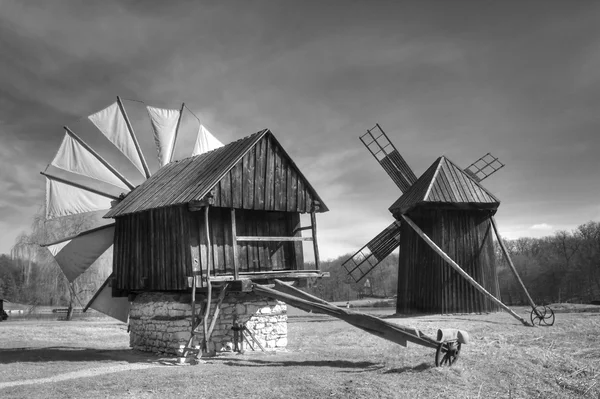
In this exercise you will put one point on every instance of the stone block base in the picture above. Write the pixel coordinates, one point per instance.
(161, 322)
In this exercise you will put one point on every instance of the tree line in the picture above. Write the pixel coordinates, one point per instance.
(564, 267)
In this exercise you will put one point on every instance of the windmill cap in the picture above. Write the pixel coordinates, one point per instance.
(444, 184)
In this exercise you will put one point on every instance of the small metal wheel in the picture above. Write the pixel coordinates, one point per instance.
(447, 353)
(542, 316)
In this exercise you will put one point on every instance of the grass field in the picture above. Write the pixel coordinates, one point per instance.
(326, 358)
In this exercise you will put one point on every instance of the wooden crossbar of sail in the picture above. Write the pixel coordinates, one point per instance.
(176, 132)
(484, 167)
(99, 158)
(133, 137)
(369, 256)
(165, 123)
(104, 302)
(65, 198)
(380, 146)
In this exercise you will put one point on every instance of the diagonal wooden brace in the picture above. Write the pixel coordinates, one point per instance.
(456, 267)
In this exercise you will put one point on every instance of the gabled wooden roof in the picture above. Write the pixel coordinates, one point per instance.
(445, 183)
(234, 173)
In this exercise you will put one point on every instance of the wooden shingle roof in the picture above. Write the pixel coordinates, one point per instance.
(445, 183)
(230, 167)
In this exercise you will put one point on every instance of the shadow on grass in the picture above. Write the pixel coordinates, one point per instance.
(418, 368)
(344, 364)
(70, 354)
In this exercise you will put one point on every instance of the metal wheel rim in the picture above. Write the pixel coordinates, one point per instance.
(447, 353)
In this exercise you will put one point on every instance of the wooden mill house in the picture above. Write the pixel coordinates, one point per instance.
(229, 215)
(455, 211)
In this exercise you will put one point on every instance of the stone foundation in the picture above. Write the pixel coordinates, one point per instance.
(161, 322)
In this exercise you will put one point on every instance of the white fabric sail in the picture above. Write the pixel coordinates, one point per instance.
(104, 302)
(56, 248)
(64, 200)
(164, 124)
(111, 122)
(75, 158)
(76, 255)
(205, 142)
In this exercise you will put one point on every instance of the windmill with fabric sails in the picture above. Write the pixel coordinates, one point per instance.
(81, 181)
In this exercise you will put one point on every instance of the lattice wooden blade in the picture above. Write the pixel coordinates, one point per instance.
(376, 250)
(388, 157)
(484, 167)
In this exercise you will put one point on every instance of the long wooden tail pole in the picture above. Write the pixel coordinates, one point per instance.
(368, 323)
(456, 267)
(510, 263)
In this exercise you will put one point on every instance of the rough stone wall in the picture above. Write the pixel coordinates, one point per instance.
(161, 322)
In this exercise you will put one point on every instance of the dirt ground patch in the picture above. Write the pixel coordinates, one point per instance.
(325, 358)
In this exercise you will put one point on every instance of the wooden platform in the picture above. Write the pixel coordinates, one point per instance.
(279, 274)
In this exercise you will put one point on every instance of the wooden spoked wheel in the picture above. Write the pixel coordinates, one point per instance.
(447, 353)
(542, 316)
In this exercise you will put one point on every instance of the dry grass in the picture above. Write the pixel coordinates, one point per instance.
(325, 358)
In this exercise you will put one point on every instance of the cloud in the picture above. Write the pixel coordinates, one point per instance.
(541, 226)
(438, 80)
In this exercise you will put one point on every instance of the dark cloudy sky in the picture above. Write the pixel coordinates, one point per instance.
(460, 78)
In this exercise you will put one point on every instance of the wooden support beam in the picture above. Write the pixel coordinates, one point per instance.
(99, 158)
(510, 263)
(236, 265)
(208, 282)
(132, 134)
(313, 222)
(276, 239)
(189, 344)
(217, 310)
(456, 267)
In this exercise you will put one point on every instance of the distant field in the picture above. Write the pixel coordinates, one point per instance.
(325, 358)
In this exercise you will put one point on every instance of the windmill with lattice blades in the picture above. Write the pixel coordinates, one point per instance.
(443, 223)
(81, 181)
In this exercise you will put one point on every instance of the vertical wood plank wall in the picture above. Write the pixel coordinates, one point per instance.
(252, 256)
(155, 250)
(426, 284)
(264, 180)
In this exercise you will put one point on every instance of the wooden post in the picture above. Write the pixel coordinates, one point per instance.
(236, 267)
(176, 131)
(208, 283)
(313, 222)
(510, 263)
(217, 310)
(132, 134)
(99, 158)
(456, 267)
